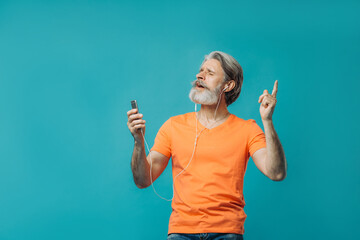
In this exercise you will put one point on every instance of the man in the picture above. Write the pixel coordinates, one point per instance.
(210, 150)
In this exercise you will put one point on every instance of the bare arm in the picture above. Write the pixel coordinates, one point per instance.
(140, 163)
(140, 167)
(271, 160)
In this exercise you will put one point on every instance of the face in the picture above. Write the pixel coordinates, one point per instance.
(209, 81)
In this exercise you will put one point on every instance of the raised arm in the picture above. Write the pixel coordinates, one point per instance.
(271, 160)
(140, 163)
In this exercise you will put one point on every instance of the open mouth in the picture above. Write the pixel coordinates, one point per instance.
(198, 85)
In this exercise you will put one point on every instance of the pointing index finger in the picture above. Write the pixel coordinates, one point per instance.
(274, 92)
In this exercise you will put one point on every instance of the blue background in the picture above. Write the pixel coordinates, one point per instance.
(68, 70)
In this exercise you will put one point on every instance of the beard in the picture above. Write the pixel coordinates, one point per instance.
(205, 96)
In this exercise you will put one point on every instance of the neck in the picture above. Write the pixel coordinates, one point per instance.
(209, 113)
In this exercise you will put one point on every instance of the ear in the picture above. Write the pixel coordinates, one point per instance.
(230, 85)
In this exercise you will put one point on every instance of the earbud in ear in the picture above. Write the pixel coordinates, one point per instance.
(226, 87)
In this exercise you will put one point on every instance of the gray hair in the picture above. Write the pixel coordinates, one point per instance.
(232, 71)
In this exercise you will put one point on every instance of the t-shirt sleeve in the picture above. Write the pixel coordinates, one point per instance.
(162, 143)
(256, 138)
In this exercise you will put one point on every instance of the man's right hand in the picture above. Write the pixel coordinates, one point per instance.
(135, 124)
(140, 163)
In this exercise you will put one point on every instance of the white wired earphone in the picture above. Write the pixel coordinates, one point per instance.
(192, 155)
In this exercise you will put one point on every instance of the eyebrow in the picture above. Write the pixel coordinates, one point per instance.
(207, 69)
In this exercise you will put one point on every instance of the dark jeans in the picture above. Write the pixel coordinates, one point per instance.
(205, 236)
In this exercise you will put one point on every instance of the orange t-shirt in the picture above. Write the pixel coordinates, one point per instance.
(208, 195)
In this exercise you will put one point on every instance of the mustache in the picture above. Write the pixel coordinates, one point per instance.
(200, 83)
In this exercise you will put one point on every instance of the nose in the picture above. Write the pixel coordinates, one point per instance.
(200, 76)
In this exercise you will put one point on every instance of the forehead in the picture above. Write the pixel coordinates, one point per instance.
(212, 64)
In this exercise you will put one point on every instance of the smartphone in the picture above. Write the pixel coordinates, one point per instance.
(134, 105)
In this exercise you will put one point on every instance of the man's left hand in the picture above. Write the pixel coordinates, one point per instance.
(267, 103)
